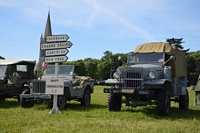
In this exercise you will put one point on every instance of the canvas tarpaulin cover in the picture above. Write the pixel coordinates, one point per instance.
(179, 64)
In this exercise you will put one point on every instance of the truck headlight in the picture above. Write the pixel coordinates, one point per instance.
(152, 75)
(116, 75)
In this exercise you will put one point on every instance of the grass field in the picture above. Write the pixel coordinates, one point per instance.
(96, 118)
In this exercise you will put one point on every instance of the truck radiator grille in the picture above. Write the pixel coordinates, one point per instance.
(39, 86)
(132, 77)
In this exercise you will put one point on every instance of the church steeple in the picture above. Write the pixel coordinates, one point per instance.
(48, 31)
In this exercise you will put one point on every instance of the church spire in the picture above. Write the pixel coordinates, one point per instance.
(48, 31)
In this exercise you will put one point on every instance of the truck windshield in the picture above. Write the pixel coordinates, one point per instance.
(3, 70)
(145, 57)
(61, 70)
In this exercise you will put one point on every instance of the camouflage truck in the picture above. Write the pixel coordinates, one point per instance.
(77, 88)
(155, 74)
(14, 75)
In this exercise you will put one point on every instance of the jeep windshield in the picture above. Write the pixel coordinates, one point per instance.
(66, 70)
(3, 70)
(145, 58)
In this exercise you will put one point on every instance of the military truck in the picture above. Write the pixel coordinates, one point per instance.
(155, 74)
(77, 88)
(14, 75)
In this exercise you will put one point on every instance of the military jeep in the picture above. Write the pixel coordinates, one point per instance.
(14, 74)
(155, 74)
(77, 88)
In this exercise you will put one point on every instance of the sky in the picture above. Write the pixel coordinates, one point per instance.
(96, 26)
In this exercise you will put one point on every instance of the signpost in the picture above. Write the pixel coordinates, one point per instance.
(54, 86)
(55, 52)
(57, 38)
(55, 59)
(56, 45)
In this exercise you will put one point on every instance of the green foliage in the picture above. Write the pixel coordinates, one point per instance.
(2, 57)
(98, 69)
(96, 118)
(39, 72)
(193, 67)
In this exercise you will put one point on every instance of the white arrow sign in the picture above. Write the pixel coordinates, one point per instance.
(67, 44)
(56, 52)
(56, 59)
(57, 38)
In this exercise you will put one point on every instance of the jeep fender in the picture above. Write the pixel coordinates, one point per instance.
(160, 83)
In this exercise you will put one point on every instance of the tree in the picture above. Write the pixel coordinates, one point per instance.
(80, 67)
(91, 67)
(2, 57)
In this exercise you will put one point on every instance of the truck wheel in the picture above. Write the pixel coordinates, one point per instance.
(61, 102)
(163, 103)
(184, 101)
(21, 91)
(114, 102)
(85, 101)
(26, 102)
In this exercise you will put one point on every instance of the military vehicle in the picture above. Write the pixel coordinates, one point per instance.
(197, 93)
(77, 88)
(155, 74)
(14, 75)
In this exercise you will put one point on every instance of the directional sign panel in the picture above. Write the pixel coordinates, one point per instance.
(57, 38)
(56, 52)
(58, 45)
(56, 59)
(54, 86)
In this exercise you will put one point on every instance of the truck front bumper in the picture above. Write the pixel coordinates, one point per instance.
(129, 91)
(36, 95)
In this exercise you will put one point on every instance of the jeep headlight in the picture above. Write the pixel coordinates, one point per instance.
(152, 75)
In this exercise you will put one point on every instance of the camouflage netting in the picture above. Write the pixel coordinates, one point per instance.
(179, 64)
(78, 81)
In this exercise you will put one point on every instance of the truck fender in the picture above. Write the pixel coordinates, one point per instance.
(164, 83)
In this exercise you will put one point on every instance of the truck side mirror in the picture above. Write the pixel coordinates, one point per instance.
(170, 58)
(120, 62)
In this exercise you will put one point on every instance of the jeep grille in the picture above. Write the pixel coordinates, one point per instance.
(132, 77)
(39, 86)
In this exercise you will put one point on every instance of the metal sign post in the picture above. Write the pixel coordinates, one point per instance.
(55, 109)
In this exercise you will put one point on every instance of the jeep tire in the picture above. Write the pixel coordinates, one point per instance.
(26, 102)
(163, 103)
(85, 101)
(61, 102)
(114, 102)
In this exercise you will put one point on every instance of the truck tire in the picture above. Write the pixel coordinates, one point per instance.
(163, 103)
(26, 102)
(61, 102)
(23, 88)
(85, 101)
(114, 102)
(184, 101)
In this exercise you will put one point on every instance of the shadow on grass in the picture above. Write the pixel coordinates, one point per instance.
(75, 106)
(9, 103)
(175, 113)
(79, 107)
